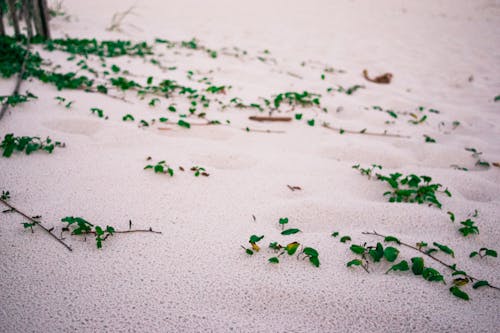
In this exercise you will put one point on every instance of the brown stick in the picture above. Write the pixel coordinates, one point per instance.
(44, 14)
(374, 233)
(36, 222)
(2, 28)
(264, 118)
(261, 131)
(13, 14)
(28, 17)
(363, 132)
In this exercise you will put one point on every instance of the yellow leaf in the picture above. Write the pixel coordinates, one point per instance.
(255, 247)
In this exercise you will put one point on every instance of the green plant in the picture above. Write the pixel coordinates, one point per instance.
(254, 239)
(27, 144)
(16, 99)
(79, 226)
(468, 228)
(161, 167)
(128, 117)
(5, 195)
(349, 90)
(497, 98)
(483, 252)
(412, 189)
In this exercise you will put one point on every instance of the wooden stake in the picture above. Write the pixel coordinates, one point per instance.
(13, 14)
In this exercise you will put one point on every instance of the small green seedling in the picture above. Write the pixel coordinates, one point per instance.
(283, 221)
(29, 225)
(161, 167)
(484, 252)
(468, 228)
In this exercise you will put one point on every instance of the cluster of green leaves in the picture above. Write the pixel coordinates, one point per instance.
(161, 167)
(290, 249)
(293, 99)
(484, 252)
(367, 171)
(468, 226)
(27, 144)
(428, 139)
(392, 113)
(79, 226)
(375, 254)
(412, 188)
(62, 101)
(108, 48)
(16, 99)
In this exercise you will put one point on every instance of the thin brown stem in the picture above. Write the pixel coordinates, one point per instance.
(451, 267)
(264, 118)
(364, 132)
(14, 209)
(261, 131)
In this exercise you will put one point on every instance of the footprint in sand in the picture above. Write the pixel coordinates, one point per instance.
(74, 126)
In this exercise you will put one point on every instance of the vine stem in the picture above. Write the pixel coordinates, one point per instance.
(19, 80)
(365, 133)
(262, 131)
(36, 222)
(451, 267)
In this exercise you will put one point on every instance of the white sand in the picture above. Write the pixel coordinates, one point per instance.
(195, 277)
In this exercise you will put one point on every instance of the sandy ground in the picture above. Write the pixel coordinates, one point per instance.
(195, 277)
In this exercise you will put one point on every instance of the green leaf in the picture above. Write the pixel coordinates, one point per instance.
(183, 123)
(402, 266)
(480, 284)
(314, 260)
(255, 238)
(452, 216)
(430, 274)
(491, 253)
(298, 116)
(110, 229)
(310, 122)
(309, 251)
(355, 262)
(391, 239)
(357, 249)
(249, 252)
(335, 234)
(345, 239)
(459, 293)
(292, 248)
(417, 266)
(283, 220)
(445, 249)
(98, 230)
(473, 254)
(98, 242)
(290, 232)
(391, 253)
(274, 260)
(377, 253)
